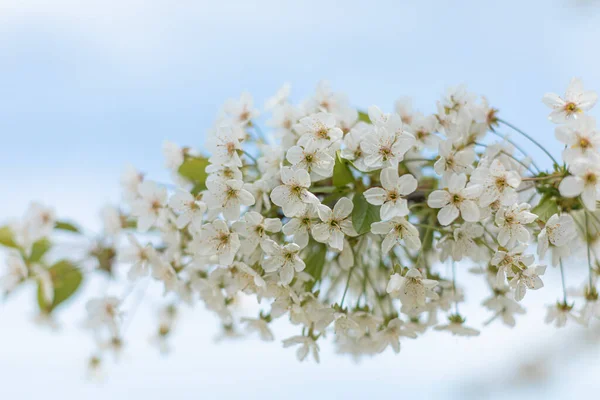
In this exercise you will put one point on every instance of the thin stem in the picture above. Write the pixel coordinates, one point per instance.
(589, 255)
(347, 286)
(516, 146)
(259, 133)
(530, 138)
(454, 286)
(562, 278)
(250, 157)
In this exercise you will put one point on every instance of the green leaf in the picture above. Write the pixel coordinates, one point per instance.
(546, 208)
(364, 117)
(67, 226)
(39, 249)
(363, 214)
(194, 169)
(341, 172)
(66, 279)
(7, 237)
(315, 261)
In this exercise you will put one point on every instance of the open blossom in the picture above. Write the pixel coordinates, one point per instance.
(228, 196)
(391, 196)
(497, 184)
(225, 146)
(139, 257)
(149, 208)
(558, 232)
(352, 145)
(457, 199)
(189, 207)
(293, 195)
(424, 128)
(255, 229)
(395, 230)
(454, 161)
(285, 259)
(584, 182)
(390, 335)
(215, 239)
(307, 346)
(241, 110)
(16, 273)
(383, 147)
(526, 278)
(512, 222)
(313, 158)
(456, 326)
(581, 138)
(507, 260)
(300, 226)
(104, 312)
(412, 290)
(174, 155)
(576, 101)
(334, 224)
(463, 242)
(560, 313)
(319, 128)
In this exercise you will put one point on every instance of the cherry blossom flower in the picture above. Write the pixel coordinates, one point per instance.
(558, 232)
(308, 345)
(225, 146)
(149, 208)
(300, 226)
(383, 147)
(575, 102)
(104, 312)
(511, 221)
(16, 272)
(228, 196)
(581, 139)
(320, 128)
(241, 110)
(190, 209)
(584, 182)
(254, 228)
(457, 199)
(526, 278)
(293, 195)
(454, 161)
(412, 290)
(560, 313)
(391, 196)
(284, 259)
(497, 184)
(456, 327)
(397, 229)
(313, 158)
(335, 224)
(216, 239)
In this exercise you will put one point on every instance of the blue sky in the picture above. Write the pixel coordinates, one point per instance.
(90, 86)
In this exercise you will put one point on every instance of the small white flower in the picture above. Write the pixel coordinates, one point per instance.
(506, 261)
(584, 182)
(260, 326)
(309, 345)
(241, 110)
(497, 184)
(280, 97)
(149, 208)
(384, 147)
(526, 278)
(313, 158)
(335, 224)
(397, 229)
(300, 226)
(390, 335)
(228, 196)
(511, 221)
(463, 243)
(216, 239)
(285, 259)
(391, 196)
(254, 228)
(457, 327)
(104, 312)
(140, 258)
(560, 313)
(412, 289)
(453, 161)
(559, 231)
(581, 139)
(352, 150)
(131, 179)
(293, 195)
(319, 128)
(174, 155)
(456, 200)
(190, 209)
(576, 101)
(225, 146)
(16, 272)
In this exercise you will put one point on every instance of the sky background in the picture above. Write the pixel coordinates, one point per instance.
(89, 86)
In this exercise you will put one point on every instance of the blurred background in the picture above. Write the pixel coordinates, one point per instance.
(89, 86)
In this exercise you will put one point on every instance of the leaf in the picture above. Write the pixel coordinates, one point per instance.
(66, 279)
(546, 208)
(67, 226)
(194, 169)
(364, 117)
(341, 172)
(7, 237)
(39, 249)
(363, 214)
(316, 261)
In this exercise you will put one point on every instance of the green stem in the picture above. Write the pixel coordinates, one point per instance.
(516, 146)
(530, 138)
(589, 255)
(562, 278)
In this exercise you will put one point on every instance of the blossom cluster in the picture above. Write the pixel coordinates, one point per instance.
(354, 225)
